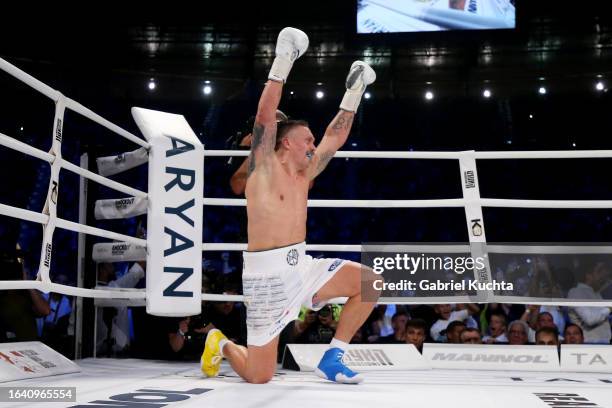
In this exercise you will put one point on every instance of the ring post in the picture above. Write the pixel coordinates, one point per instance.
(174, 221)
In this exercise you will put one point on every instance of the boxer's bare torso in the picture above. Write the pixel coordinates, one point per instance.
(277, 195)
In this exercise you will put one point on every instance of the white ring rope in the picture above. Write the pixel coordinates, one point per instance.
(309, 247)
(103, 180)
(25, 148)
(23, 214)
(543, 154)
(43, 219)
(15, 144)
(546, 154)
(71, 104)
(29, 80)
(459, 248)
(349, 248)
(86, 229)
(435, 203)
(210, 297)
(454, 202)
(48, 218)
(576, 204)
(116, 302)
(548, 249)
(77, 107)
(354, 154)
(95, 293)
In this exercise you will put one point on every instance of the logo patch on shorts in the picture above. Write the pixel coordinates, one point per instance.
(292, 257)
(334, 265)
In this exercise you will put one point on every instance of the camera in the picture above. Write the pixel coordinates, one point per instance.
(196, 322)
(325, 311)
(233, 142)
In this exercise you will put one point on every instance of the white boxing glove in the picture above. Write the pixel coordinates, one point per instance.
(290, 45)
(360, 75)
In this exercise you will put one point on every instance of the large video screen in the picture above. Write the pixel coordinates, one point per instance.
(400, 16)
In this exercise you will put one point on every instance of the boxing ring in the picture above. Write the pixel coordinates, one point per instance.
(111, 383)
(119, 380)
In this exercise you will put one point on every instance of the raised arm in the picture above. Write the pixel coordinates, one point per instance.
(290, 45)
(264, 130)
(359, 77)
(334, 138)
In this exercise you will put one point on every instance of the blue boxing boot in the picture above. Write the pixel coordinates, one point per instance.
(332, 368)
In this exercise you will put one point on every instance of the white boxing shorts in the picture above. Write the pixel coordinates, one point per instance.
(276, 283)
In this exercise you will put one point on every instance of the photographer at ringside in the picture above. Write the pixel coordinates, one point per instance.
(317, 327)
(187, 336)
(18, 308)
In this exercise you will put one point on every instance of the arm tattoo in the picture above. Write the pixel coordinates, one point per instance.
(251, 165)
(343, 122)
(258, 132)
(264, 138)
(323, 161)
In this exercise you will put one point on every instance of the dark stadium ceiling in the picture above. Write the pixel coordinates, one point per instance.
(563, 44)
